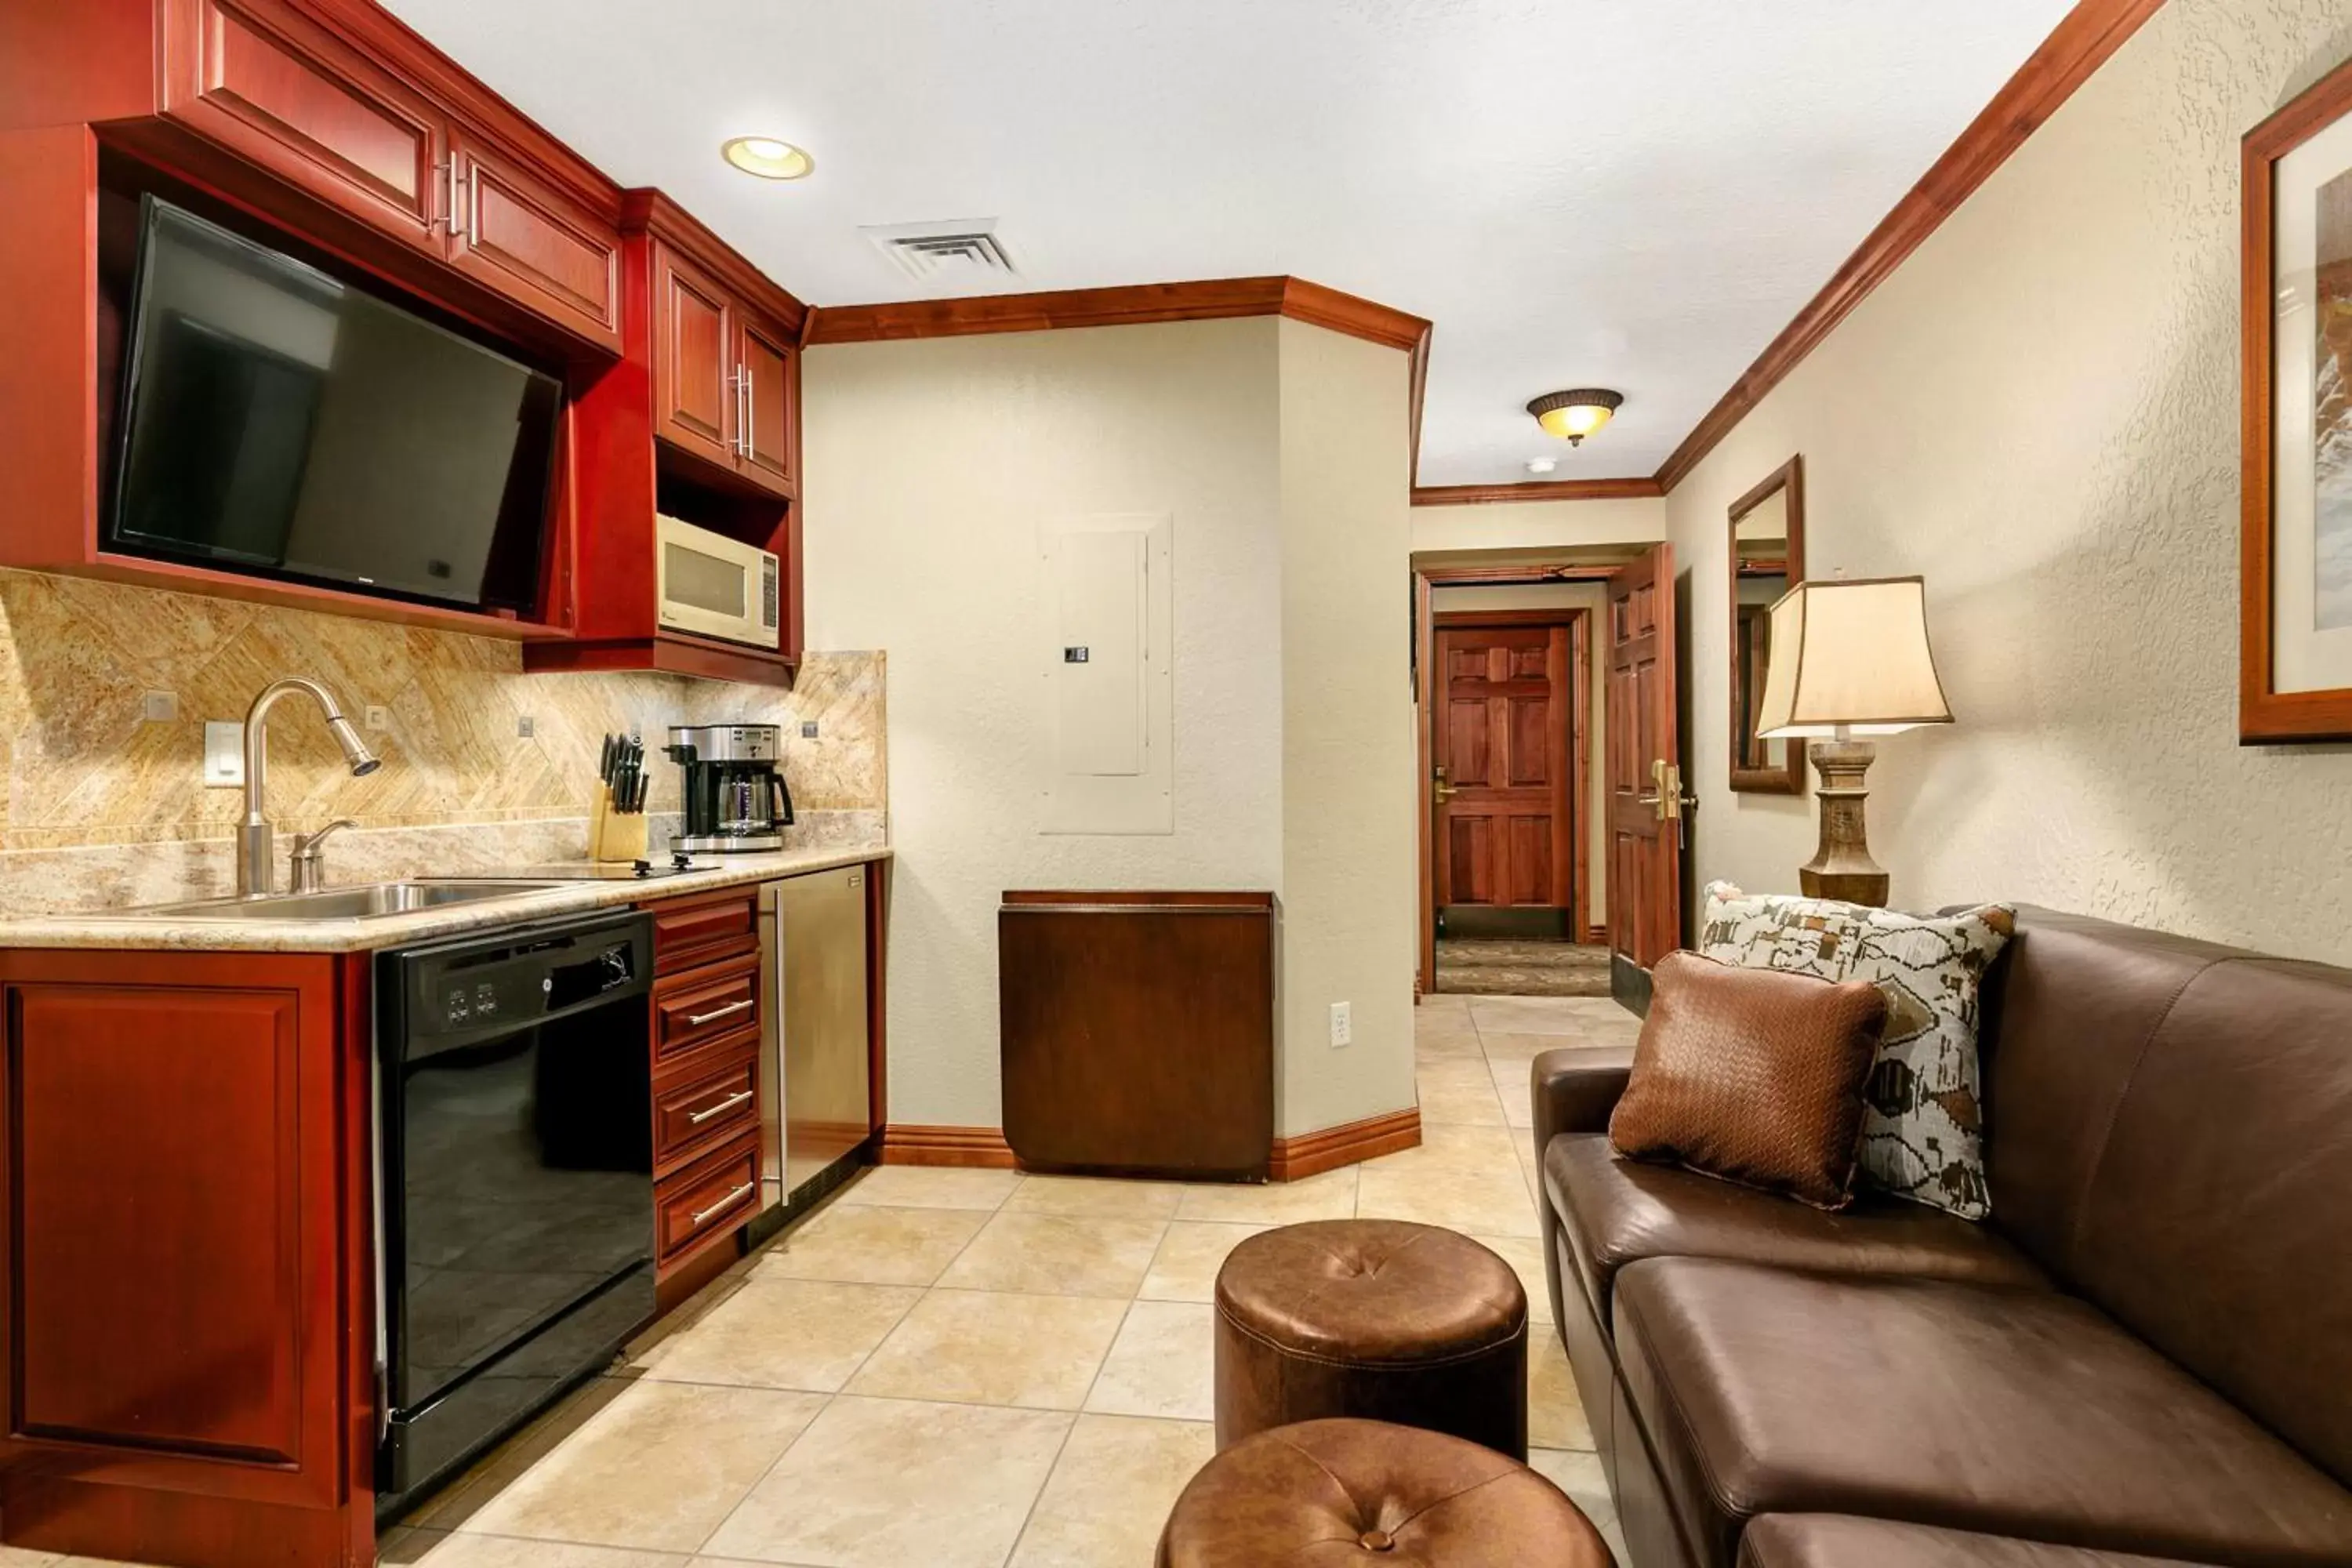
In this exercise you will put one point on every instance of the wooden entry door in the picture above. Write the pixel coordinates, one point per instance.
(1643, 767)
(1504, 765)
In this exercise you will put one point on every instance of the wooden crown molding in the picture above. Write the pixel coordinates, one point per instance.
(1127, 305)
(2081, 43)
(1537, 490)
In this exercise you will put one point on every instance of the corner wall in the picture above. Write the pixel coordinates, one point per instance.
(2039, 411)
(931, 465)
(1347, 757)
(1281, 451)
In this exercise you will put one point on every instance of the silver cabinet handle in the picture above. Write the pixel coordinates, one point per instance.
(729, 1103)
(700, 1018)
(729, 1201)
(749, 392)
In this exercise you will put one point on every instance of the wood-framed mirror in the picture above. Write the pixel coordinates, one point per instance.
(1767, 558)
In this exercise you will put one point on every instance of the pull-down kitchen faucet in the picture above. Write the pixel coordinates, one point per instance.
(255, 874)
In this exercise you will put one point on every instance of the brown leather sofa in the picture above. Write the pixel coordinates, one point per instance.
(2146, 1353)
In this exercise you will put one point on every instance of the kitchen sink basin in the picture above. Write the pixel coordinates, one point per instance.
(358, 903)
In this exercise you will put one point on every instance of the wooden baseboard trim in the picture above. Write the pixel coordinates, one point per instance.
(979, 1148)
(1312, 1153)
(1596, 936)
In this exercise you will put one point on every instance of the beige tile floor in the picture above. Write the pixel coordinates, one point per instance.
(977, 1369)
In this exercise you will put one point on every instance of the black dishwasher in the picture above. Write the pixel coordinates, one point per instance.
(514, 1180)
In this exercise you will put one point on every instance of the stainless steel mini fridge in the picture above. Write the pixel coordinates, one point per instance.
(813, 1086)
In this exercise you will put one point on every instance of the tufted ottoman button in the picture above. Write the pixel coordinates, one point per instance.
(1379, 1319)
(1283, 1496)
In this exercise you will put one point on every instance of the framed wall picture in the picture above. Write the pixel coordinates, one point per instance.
(2294, 653)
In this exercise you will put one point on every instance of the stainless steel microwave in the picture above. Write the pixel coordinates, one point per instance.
(716, 586)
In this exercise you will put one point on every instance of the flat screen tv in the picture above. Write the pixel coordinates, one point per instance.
(278, 421)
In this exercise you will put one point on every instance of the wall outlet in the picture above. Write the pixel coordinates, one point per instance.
(159, 707)
(526, 727)
(378, 718)
(808, 729)
(224, 753)
(1343, 1025)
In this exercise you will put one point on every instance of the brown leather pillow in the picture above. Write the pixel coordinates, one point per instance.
(1752, 1075)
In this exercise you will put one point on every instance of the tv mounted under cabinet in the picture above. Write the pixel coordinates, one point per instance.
(278, 421)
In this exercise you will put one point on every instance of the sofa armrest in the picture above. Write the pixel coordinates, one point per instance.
(1576, 1089)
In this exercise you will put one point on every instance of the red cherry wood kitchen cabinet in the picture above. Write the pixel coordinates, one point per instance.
(189, 1339)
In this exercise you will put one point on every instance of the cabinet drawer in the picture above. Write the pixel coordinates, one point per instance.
(705, 1007)
(703, 1108)
(708, 1199)
(688, 934)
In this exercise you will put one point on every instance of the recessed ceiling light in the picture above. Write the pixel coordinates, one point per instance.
(1542, 464)
(768, 158)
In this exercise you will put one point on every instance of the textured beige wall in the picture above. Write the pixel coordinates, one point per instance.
(2039, 411)
(931, 466)
(1349, 850)
(1280, 451)
(1594, 598)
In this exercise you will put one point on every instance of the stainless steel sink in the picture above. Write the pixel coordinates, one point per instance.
(360, 903)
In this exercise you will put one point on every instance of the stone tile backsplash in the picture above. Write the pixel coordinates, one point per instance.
(89, 780)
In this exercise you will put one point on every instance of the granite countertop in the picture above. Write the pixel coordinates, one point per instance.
(194, 932)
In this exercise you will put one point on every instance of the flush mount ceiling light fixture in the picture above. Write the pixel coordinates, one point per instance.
(1573, 415)
(768, 158)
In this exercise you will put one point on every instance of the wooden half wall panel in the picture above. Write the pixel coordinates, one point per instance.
(1138, 1031)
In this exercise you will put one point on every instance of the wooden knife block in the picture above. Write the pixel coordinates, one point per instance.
(612, 835)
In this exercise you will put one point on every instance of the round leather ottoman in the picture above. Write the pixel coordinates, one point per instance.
(1374, 1318)
(1365, 1491)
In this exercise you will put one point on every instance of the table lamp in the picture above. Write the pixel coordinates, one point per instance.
(1849, 658)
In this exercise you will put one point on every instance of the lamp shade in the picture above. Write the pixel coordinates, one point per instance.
(1851, 658)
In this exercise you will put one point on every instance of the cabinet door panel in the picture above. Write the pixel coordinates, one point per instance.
(694, 333)
(172, 1232)
(273, 86)
(536, 248)
(769, 366)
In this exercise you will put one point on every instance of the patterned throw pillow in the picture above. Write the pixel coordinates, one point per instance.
(1923, 1128)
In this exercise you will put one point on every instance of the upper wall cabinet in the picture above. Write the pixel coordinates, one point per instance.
(517, 234)
(726, 377)
(276, 87)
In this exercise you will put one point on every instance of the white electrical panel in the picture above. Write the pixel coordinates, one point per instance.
(1107, 594)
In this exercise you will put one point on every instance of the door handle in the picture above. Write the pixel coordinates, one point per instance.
(1441, 792)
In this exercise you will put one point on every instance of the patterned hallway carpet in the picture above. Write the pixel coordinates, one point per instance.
(1481, 967)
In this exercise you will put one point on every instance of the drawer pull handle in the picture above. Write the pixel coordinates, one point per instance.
(729, 1202)
(696, 1020)
(729, 1103)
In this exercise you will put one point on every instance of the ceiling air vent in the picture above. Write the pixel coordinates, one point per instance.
(962, 250)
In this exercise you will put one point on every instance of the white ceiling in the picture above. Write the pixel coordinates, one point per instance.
(1634, 193)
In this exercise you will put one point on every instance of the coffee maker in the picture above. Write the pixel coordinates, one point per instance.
(734, 791)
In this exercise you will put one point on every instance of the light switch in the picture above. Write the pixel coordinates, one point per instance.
(224, 753)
